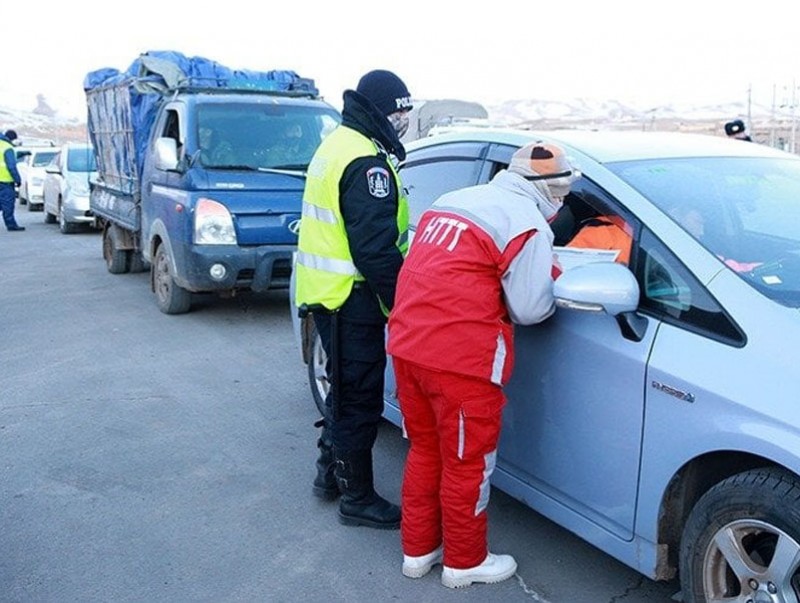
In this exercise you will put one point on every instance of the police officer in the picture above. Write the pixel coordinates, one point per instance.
(353, 238)
(9, 178)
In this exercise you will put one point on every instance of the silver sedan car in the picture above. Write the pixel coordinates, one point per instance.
(655, 414)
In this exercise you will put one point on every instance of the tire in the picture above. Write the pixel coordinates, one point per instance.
(170, 298)
(317, 373)
(137, 263)
(64, 226)
(117, 260)
(754, 513)
(49, 218)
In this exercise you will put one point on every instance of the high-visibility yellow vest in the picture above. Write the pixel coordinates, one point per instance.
(5, 173)
(324, 270)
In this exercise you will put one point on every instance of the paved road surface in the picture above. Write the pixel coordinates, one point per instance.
(146, 457)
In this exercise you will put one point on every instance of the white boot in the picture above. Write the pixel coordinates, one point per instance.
(495, 568)
(416, 567)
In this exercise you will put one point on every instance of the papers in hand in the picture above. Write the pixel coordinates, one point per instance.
(569, 257)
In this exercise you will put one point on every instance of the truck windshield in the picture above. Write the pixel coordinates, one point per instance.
(257, 136)
(81, 160)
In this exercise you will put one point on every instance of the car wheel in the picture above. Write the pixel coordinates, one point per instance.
(64, 226)
(117, 260)
(170, 298)
(49, 218)
(317, 373)
(742, 540)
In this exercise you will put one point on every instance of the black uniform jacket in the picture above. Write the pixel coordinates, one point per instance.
(370, 211)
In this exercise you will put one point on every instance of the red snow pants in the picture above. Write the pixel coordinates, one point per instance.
(453, 423)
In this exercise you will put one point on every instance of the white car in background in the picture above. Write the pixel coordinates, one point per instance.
(31, 173)
(66, 187)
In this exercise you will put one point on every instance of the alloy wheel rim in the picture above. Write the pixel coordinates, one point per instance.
(319, 359)
(752, 561)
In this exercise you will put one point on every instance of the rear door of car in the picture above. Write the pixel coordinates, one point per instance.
(426, 174)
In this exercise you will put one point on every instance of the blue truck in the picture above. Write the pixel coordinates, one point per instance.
(201, 171)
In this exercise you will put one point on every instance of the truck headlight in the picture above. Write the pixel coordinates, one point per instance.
(213, 224)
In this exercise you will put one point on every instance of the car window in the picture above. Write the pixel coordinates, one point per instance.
(668, 291)
(746, 211)
(427, 177)
(42, 159)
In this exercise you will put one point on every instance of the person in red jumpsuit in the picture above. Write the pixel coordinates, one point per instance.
(482, 259)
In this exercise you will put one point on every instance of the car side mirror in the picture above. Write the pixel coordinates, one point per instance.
(598, 287)
(166, 151)
(606, 287)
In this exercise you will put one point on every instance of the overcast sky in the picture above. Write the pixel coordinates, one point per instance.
(647, 52)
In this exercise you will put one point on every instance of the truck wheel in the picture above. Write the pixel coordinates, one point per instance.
(317, 373)
(742, 540)
(170, 298)
(116, 259)
(137, 263)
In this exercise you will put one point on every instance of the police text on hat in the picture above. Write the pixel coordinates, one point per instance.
(386, 91)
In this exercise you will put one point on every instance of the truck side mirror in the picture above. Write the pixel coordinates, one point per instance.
(166, 153)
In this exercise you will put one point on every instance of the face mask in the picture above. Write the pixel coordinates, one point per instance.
(548, 204)
(399, 121)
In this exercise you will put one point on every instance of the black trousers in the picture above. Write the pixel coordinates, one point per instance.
(356, 394)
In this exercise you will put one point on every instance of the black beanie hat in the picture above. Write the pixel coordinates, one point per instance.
(10, 134)
(385, 90)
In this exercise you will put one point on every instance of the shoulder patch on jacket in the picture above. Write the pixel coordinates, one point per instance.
(378, 182)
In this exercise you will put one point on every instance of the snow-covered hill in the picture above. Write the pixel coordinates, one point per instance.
(613, 113)
(44, 119)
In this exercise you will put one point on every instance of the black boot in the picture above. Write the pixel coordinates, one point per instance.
(325, 483)
(360, 504)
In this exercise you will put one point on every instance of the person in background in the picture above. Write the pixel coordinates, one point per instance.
(214, 152)
(482, 259)
(735, 129)
(693, 222)
(353, 238)
(605, 232)
(9, 178)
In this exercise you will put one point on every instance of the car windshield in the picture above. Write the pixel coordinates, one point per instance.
(744, 210)
(42, 159)
(81, 160)
(257, 135)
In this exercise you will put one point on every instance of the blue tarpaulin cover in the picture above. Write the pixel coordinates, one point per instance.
(122, 105)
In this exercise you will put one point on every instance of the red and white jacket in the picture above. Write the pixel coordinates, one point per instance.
(482, 258)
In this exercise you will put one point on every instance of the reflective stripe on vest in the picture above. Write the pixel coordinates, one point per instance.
(325, 271)
(5, 173)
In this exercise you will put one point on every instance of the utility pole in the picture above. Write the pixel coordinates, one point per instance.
(794, 121)
(749, 108)
(772, 120)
